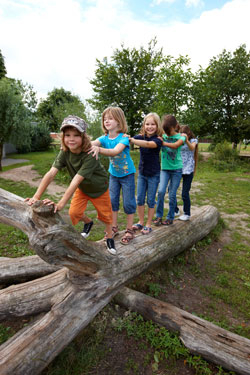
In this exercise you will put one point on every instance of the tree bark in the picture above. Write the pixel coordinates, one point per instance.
(13, 270)
(200, 336)
(87, 280)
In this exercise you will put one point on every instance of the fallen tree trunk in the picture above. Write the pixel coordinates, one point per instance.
(200, 336)
(24, 268)
(89, 278)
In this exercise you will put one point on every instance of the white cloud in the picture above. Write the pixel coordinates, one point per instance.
(55, 43)
(193, 3)
(158, 2)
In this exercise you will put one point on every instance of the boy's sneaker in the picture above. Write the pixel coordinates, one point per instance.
(86, 229)
(184, 217)
(177, 213)
(111, 246)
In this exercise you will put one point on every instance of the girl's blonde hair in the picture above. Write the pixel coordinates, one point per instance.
(118, 114)
(157, 120)
(186, 129)
(86, 143)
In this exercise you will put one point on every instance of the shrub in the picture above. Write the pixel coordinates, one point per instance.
(40, 139)
(225, 157)
(34, 137)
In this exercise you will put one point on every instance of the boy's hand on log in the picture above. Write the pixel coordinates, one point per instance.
(57, 206)
(31, 201)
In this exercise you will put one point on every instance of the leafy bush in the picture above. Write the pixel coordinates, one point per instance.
(225, 157)
(40, 139)
(21, 138)
(34, 137)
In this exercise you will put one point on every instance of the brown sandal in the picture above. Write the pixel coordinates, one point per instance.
(128, 237)
(115, 232)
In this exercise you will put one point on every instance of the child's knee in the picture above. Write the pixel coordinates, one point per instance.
(74, 216)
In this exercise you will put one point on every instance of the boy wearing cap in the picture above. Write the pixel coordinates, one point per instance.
(89, 179)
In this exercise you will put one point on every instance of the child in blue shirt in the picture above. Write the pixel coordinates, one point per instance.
(121, 167)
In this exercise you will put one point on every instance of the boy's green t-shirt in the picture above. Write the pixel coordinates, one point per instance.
(171, 157)
(95, 181)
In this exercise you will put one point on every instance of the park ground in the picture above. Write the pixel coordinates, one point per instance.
(210, 280)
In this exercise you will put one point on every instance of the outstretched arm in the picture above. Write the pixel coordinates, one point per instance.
(95, 150)
(67, 195)
(96, 143)
(191, 146)
(143, 143)
(46, 180)
(177, 144)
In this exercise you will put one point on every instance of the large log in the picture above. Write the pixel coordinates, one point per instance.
(89, 278)
(200, 336)
(13, 270)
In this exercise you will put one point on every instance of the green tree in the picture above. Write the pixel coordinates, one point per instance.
(28, 96)
(13, 113)
(221, 96)
(127, 81)
(59, 104)
(172, 86)
(3, 70)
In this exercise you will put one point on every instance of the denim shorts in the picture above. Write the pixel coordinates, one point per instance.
(127, 185)
(147, 185)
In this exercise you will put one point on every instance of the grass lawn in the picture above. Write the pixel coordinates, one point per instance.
(210, 280)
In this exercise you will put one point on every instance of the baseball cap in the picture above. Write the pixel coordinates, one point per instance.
(75, 122)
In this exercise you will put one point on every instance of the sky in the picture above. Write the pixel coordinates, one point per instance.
(55, 43)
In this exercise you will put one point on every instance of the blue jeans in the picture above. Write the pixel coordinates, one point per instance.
(147, 185)
(127, 185)
(173, 177)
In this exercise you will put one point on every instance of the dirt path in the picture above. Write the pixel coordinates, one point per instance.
(30, 176)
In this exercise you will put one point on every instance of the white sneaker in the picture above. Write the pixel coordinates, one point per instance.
(184, 217)
(111, 246)
(177, 213)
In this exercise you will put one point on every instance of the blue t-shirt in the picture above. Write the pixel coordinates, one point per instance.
(120, 165)
(149, 157)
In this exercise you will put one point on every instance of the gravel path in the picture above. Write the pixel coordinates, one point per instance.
(30, 176)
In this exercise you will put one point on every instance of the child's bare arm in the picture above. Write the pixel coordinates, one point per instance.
(46, 180)
(95, 150)
(67, 195)
(173, 145)
(96, 143)
(143, 143)
(191, 146)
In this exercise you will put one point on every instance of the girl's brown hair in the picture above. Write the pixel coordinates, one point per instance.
(157, 121)
(86, 143)
(186, 129)
(118, 114)
(169, 122)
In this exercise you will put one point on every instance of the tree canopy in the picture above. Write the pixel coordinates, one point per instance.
(127, 82)
(172, 86)
(59, 104)
(212, 101)
(221, 100)
(3, 70)
(13, 113)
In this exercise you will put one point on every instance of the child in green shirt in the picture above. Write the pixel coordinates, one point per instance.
(171, 169)
(89, 180)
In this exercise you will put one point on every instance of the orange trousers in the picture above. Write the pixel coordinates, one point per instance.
(79, 203)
